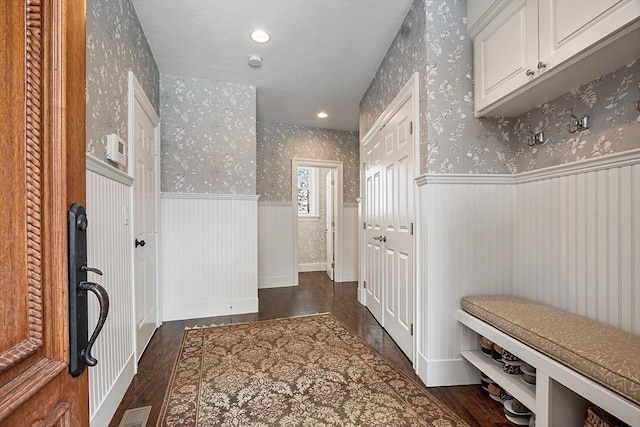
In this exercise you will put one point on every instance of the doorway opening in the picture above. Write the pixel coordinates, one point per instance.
(317, 199)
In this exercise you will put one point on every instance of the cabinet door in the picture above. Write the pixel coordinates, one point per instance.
(567, 27)
(504, 51)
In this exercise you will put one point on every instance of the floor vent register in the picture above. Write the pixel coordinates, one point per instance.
(136, 417)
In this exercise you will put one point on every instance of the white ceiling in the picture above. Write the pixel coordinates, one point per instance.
(322, 54)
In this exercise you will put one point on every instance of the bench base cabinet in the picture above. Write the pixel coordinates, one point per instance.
(533, 51)
(560, 397)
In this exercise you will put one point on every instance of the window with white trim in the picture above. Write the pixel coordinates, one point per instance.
(308, 192)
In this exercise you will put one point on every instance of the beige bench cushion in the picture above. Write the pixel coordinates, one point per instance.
(603, 353)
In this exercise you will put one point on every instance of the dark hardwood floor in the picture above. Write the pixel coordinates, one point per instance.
(315, 294)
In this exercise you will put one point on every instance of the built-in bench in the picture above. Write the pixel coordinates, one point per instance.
(578, 360)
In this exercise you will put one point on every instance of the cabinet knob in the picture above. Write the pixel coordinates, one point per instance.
(530, 72)
(541, 65)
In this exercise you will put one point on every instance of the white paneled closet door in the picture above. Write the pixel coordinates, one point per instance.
(398, 228)
(389, 227)
(373, 232)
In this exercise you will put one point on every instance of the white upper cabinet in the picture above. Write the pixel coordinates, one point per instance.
(504, 51)
(531, 51)
(569, 26)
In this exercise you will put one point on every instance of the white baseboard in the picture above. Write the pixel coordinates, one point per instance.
(438, 373)
(276, 282)
(349, 276)
(109, 405)
(209, 309)
(315, 266)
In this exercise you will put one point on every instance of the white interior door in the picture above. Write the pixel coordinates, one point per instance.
(389, 210)
(398, 228)
(145, 193)
(373, 231)
(330, 183)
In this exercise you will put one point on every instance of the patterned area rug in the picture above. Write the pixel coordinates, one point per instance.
(303, 371)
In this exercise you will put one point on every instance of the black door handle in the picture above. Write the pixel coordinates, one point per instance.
(103, 299)
(140, 243)
(91, 270)
(79, 347)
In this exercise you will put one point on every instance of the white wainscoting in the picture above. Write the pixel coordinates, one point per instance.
(578, 240)
(465, 242)
(209, 255)
(567, 235)
(109, 249)
(276, 263)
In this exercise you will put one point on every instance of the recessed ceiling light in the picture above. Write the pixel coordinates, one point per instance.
(260, 36)
(322, 115)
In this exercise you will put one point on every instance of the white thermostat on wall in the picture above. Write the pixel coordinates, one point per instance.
(117, 149)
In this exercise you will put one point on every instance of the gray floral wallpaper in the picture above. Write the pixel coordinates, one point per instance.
(208, 136)
(312, 236)
(457, 142)
(278, 143)
(115, 45)
(609, 102)
(433, 40)
(406, 55)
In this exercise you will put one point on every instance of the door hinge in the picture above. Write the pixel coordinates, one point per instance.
(333, 265)
(364, 284)
(364, 225)
(412, 329)
(411, 229)
(411, 128)
(333, 223)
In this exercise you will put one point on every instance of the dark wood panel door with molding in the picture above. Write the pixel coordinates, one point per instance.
(42, 172)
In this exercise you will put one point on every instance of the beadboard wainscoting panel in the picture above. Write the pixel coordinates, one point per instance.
(276, 263)
(577, 243)
(209, 255)
(466, 241)
(349, 265)
(109, 249)
(276, 257)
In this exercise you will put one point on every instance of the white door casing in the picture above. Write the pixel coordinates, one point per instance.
(144, 137)
(330, 217)
(338, 197)
(388, 153)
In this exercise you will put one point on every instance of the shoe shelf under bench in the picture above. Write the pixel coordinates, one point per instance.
(561, 395)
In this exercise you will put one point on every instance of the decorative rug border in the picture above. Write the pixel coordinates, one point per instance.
(213, 325)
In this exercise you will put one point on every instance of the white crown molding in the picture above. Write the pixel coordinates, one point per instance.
(101, 168)
(207, 196)
(616, 160)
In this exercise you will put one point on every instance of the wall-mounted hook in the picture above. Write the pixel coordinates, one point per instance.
(578, 124)
(536, 138)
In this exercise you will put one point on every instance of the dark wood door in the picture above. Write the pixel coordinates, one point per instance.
(42, 171)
